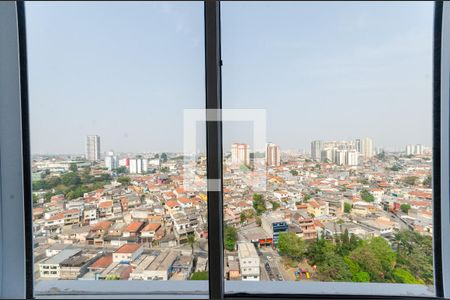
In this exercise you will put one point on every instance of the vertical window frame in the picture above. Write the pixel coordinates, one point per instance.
(214, 148)
(441, 84)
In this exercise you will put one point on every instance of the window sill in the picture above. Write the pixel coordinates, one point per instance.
(328, 288)
(115, 289)
(78, 289)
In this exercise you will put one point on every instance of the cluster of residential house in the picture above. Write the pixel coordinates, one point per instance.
(311, 201)
(128, 262)
(153, 212)
(136, 232)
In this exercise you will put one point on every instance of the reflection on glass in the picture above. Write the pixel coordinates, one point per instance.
(347, 92)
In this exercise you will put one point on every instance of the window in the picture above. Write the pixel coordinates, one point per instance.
(347, 182)
(323, 169)
(113, 80)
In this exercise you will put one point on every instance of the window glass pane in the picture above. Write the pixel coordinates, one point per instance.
(339, 113)
(109, 83)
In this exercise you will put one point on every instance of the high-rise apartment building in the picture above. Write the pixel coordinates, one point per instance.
(111, 161)
(351, 158)
(92, 148)
(240, 154)
(367, 147)
(358, 145)
(414, 149)
(316, 150)
(138, 165)
(326, 155)
(343, 153)
(273, 155)
(339, 157)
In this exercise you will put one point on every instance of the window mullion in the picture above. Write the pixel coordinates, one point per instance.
(214, 148)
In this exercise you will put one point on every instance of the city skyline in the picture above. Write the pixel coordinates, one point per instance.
(106, 151)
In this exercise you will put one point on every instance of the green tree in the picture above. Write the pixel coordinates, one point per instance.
(87, 178)
(317, 250)
(294, 172)
(427, 181)
(375, 257)
(259, 204)
(230, 238)
(258, 221)
(35, 198)
(124, 180)
(53, 181)
(361, 277)
(410, 180)
(242, 217)
(306, 197)
(344, 243)
(122, 170)
(77, 192)
(98, 185)
(353, 266)
(71, 179)
(39, 185)
(367, 196)
(403, 276)
(333, 268)
(73, 167)
(275, 205)
(191, 240)
(395, 168)
(347, 207)
(415, 254)
(202, 275)
(291, 246)
(405, 208)
(47, 197)
(368, 262)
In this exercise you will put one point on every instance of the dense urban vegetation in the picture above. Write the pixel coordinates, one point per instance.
(72, 184)
(347, 258)
(367, 196)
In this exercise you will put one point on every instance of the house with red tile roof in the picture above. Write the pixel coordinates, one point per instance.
(149, 231)
(101, 264)
(172, 205)
(105, 208)
(127, 253)
(185, 202)
(133, 229)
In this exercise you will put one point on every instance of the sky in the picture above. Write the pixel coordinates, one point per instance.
(126, 71)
